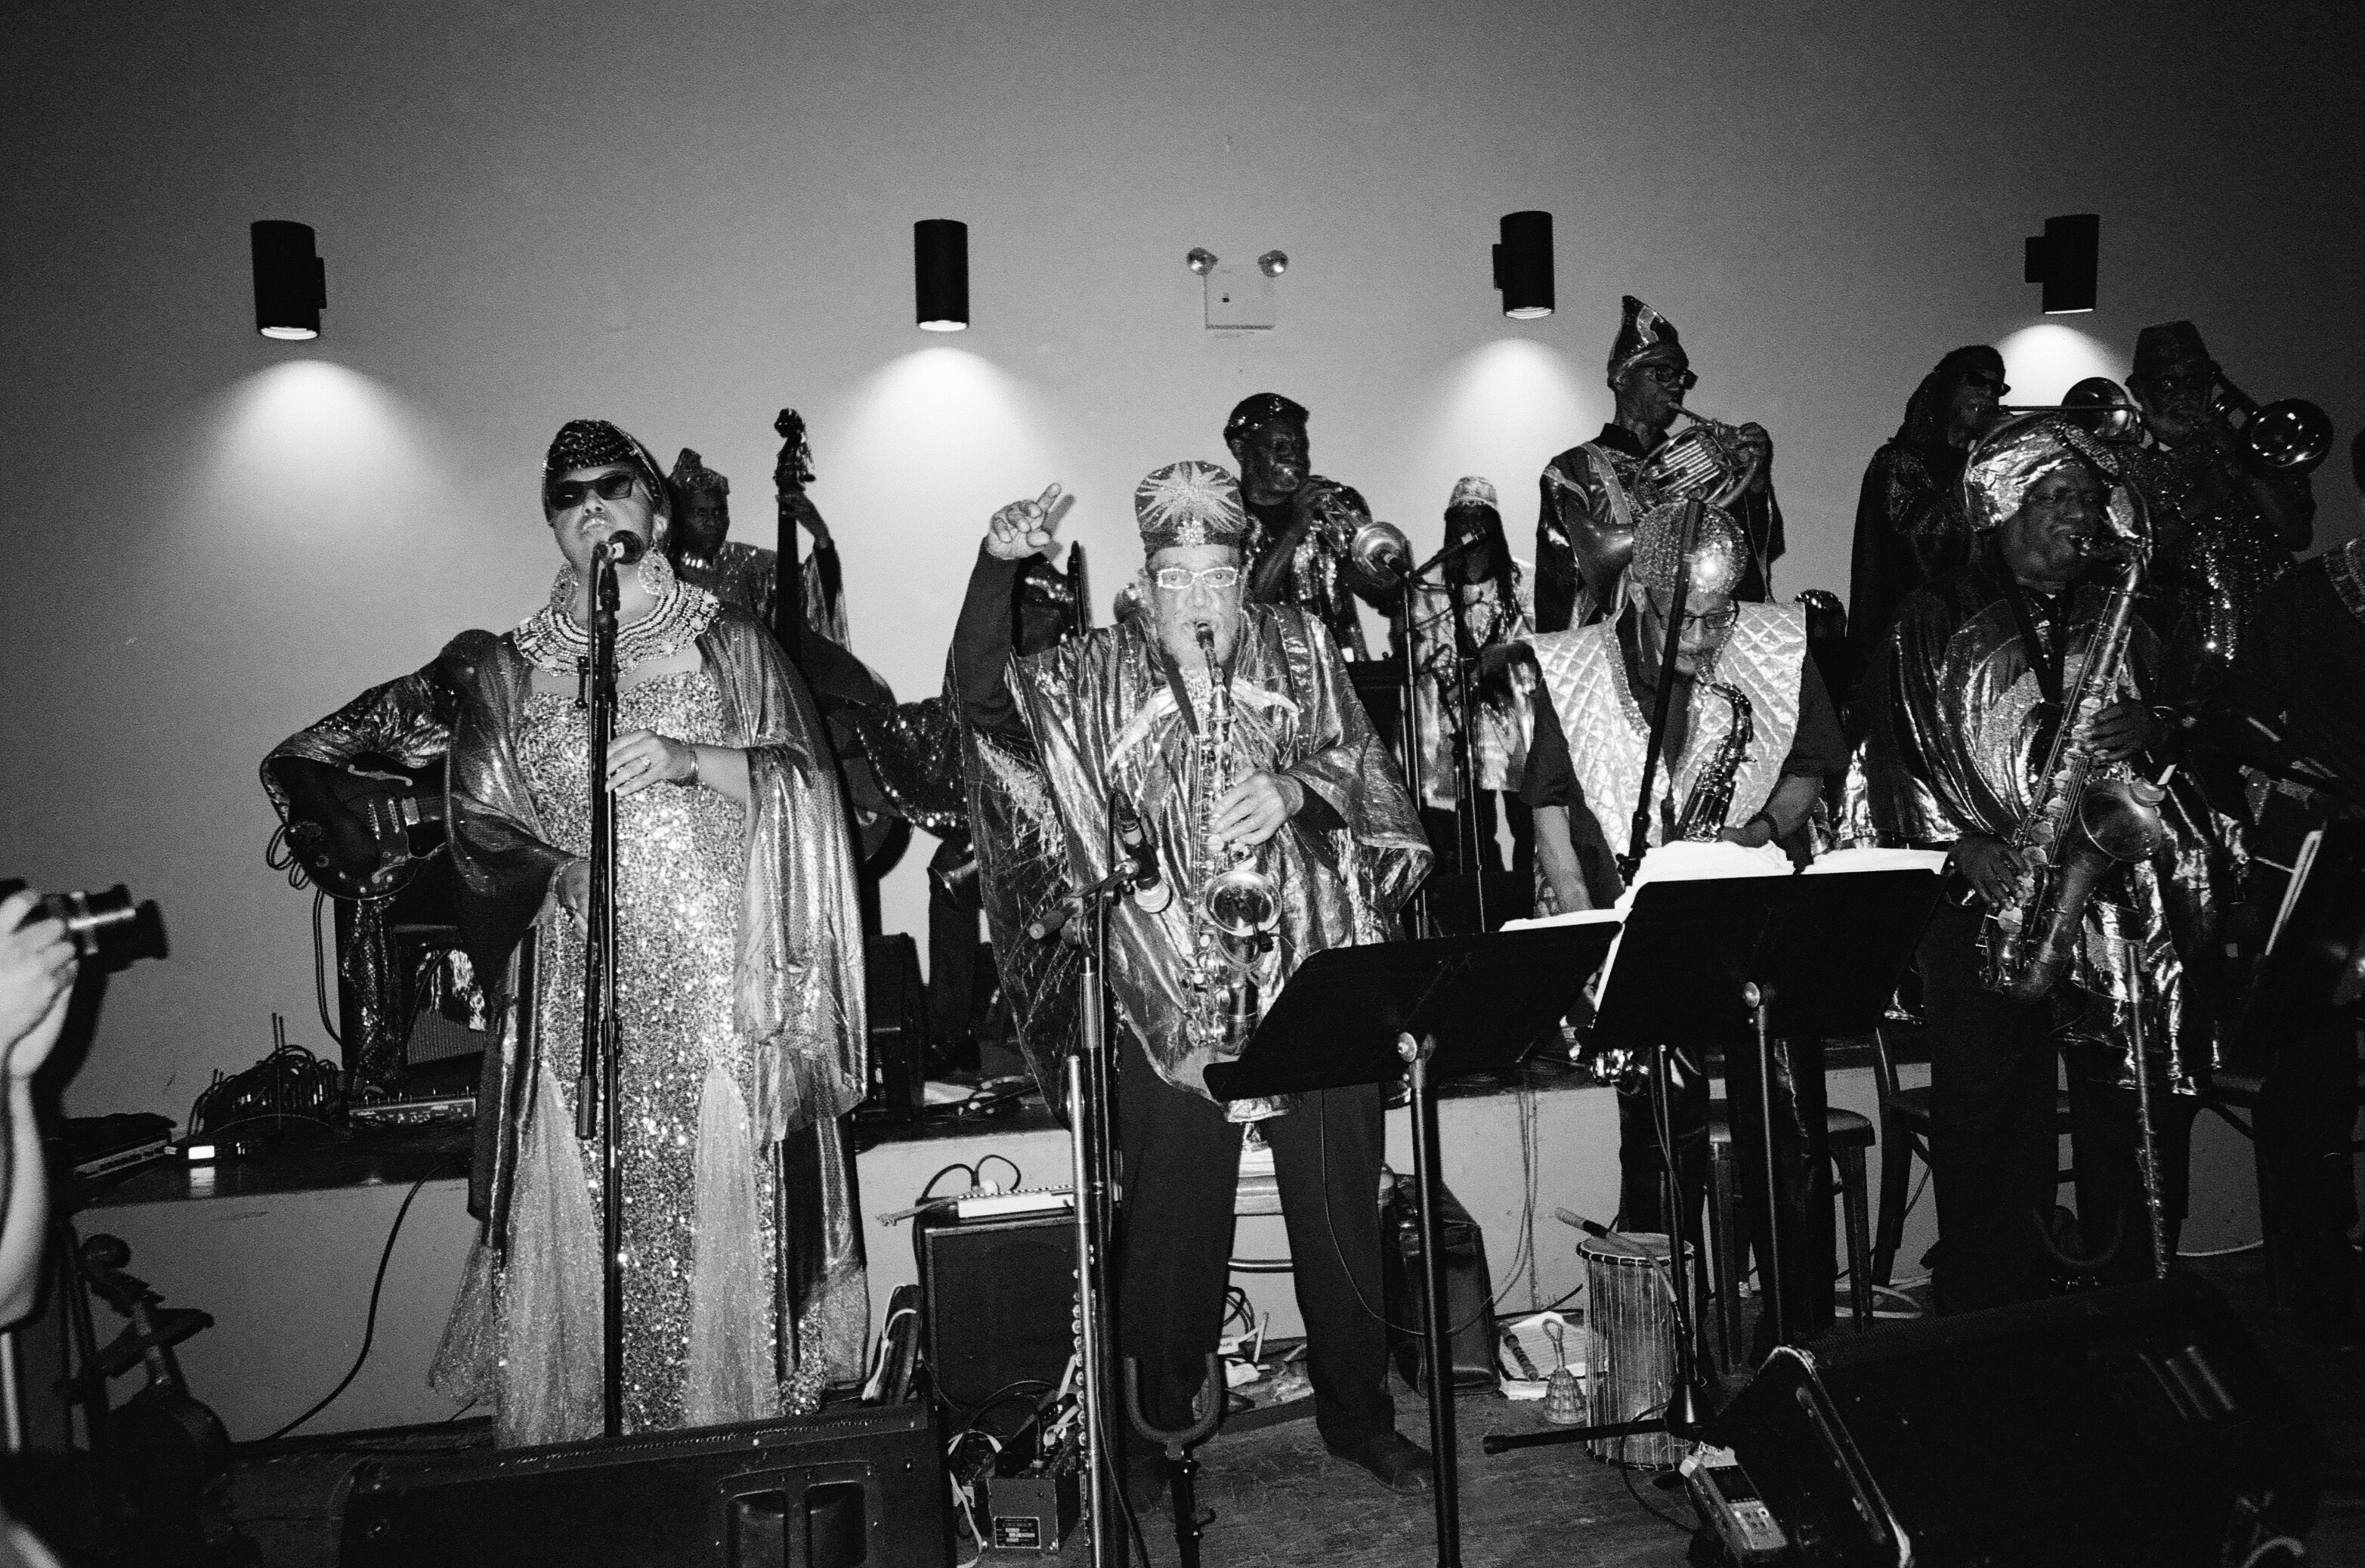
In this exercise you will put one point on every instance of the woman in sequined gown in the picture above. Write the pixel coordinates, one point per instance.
(739, 1001)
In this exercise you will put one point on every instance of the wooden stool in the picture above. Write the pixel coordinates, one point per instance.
(1849, 1135)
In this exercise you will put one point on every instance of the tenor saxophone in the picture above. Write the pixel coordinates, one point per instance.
(2088, 815)
(1710, 802)
(1237, 909)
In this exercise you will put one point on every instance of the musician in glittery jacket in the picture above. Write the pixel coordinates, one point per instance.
(1300, 522)
(1585, 530)
(1316, 797)
(1958, 710)
(739, 997)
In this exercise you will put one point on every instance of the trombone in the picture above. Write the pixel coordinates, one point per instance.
(2099, 403)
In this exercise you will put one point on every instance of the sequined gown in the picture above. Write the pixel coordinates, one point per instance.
(681, 860)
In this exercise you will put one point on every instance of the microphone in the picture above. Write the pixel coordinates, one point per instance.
(1150, 893)
(624, 546)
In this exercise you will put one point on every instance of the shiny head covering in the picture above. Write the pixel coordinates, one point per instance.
(2018, 453)
(596, 443)
(1718, 557)
(691, 473)
(1473, 490)
(1189, 503)
(1925, 411)
(1641, 331)
(2164, 344)
(1259, 410)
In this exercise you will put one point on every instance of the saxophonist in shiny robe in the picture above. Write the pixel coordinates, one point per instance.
(1310, 799)
(1750, 736)
(1959, 713)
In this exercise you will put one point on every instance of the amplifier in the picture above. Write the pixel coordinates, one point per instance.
(1469, 1291)
(997, 1301)
(2133, 1426)
(898, 1003)
(853, 1486)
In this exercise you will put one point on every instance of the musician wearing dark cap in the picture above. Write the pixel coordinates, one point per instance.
(1966, 688)
(1910, 527)
(2224, 523)
(1233, 730)
(748, 576)
(1301, 525)
(1593, 493)
(1751, 738)
(739, 996)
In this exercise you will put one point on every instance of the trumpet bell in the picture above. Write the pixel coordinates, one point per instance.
(2291, 436)
(2097, 405)
(1381, 552)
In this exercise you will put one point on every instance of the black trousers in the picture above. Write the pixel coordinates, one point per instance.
(1993, 1070)
(1801, 1202)
(2307, 1114)
(1180, 1168)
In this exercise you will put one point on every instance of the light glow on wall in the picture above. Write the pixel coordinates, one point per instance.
(1506, 410)
(307, 448)
(2044, 360)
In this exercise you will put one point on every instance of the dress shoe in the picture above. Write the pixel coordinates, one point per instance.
(1394, 1461)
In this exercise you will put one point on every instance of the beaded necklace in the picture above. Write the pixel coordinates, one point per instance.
(552, 639)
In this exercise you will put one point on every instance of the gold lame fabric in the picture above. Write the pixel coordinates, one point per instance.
(740, 1000)
(1102, 714)
(1955, 730)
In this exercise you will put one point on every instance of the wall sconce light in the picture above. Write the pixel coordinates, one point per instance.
(1523, 266)
(1272, 263)
(2064, 260)
(1200, 260)
(940, 273)
(291, 285)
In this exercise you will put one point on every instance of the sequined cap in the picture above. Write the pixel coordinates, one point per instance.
(1189, 503)
(2166, 343)
(1472, 490)
(691, 473)
(1639, 332)
(596, 443)
(2013, 456)
(1720, 553)
(1257, 410)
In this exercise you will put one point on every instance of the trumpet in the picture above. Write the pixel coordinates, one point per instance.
(2290, 435)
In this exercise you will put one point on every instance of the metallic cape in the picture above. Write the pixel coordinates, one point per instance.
(2218, 555)
(1102, 714)
(1954, 733)
(407, 721)
(798, 988)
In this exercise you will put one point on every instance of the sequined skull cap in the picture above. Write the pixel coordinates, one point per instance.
(691, 473)
(1472, 490)
(1640, 331)
(1720, 554)
(596, 443)
(1253, 413)
(2014, 456)
(1189, 503)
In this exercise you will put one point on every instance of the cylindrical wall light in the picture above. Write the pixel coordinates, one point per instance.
(2065, 259)
(940, 273)
(291, 285)
(1523, 266)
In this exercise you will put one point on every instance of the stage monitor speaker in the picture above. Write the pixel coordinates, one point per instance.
(844, 1488)
(997, 1300)
(1469, 1294)
(2135, 1426)
(898, 1004)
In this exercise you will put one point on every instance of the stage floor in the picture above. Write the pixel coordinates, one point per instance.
(1282, 1502)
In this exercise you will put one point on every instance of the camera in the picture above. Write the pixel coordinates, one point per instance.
(108, 930)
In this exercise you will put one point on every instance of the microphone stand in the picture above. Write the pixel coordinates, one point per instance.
(595, 1085)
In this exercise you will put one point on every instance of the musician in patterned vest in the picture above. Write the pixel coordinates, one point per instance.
(1584, 532)
(1277, 770)
(1300, 523)
(1748, 712)
(1959, 709)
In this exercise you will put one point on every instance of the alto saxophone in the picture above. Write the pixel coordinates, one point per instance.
(2088, 815)
(1710, 801)
(1235, 910)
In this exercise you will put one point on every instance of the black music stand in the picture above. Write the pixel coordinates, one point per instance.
(1465, 1004)
(1701, 957)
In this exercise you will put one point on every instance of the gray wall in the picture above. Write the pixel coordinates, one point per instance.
(684, 216)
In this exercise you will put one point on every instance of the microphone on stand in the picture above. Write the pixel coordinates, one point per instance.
(1150, 892)
(623, 546)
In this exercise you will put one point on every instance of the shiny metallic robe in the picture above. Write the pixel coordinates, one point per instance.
(2215, 562)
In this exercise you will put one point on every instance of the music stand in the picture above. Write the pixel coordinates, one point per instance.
(1464, 1005)
(1699, 959)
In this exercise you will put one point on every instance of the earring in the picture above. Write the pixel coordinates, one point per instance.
(563, 590)
(657, 572)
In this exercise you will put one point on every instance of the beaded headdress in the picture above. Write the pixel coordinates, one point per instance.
(1640, 331)
(596, 443)
(1189, 503)
(1472, 490)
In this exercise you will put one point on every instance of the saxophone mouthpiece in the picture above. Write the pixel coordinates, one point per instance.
(1205, 636)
